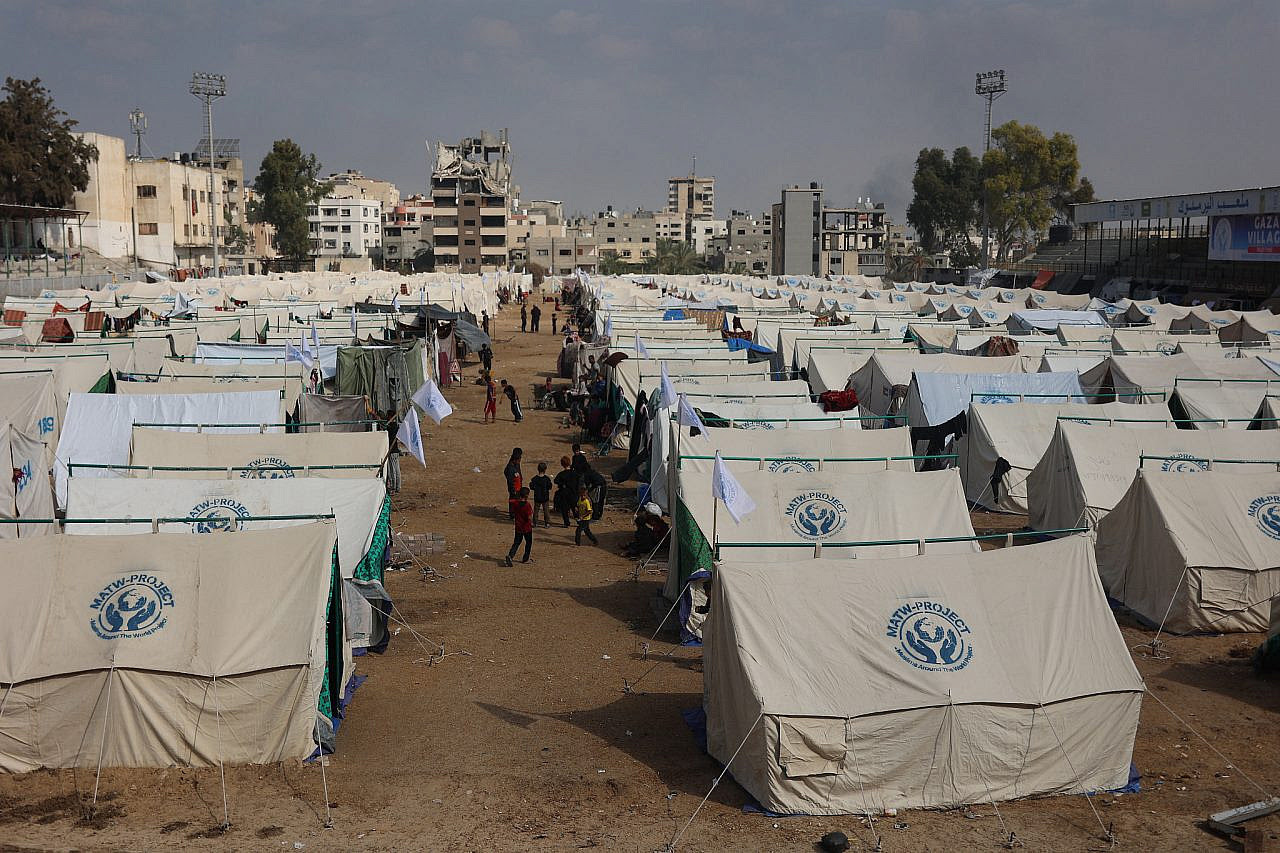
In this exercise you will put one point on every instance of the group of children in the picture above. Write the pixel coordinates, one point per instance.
(525, 514)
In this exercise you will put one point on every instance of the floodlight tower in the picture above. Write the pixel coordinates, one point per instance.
(990, 85)
(138, 126)
(208, 88)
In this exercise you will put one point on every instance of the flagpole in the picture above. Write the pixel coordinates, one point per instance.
(715, 519)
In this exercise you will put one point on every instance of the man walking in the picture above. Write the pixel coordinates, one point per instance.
(535, 315)
(509, 391)
(524, 318)
(523, 515)
(490, 400)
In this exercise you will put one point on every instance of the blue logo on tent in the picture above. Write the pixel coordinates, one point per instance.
(267, 468)
(1038, 298)
(930, 636)
(791, 465)
(217, 515)
(753, 425)
(1149, 310)
(996, 398)
(1184, 463)
(1166, 348)
(131, 606)
(1265, 511)
(990, 315)
(816, 515)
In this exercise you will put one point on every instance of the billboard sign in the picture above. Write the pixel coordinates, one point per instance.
(1245, 237)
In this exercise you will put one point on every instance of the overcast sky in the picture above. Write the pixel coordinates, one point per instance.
(606, 99)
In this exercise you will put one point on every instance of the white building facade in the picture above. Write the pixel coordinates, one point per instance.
(345, 228)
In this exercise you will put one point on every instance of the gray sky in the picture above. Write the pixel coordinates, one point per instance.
(606, 99)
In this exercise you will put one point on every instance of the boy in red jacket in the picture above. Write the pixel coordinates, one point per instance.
(524, 525)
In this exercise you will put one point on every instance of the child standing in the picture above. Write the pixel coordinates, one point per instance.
(583, 513)
(490, 400)
(523, 514)
(541, 495)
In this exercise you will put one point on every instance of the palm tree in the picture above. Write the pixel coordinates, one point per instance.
(676, 257)
(611, 264)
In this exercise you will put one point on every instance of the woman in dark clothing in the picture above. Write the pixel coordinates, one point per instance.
(566, 496)
(514, 480)
(594, 482)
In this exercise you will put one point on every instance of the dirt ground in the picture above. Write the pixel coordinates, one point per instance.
(522, 738)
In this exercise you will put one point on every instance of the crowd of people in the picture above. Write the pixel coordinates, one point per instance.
(580, 493)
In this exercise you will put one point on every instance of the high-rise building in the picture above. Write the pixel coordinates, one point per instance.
(797, 225)
(472, 194)
(689, 198)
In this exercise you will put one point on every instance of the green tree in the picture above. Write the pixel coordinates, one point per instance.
(286, 185)
(946, 201)
(42, 161)
(1029, 178)
(676, 257)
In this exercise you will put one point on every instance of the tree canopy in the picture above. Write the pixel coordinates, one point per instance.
(42, 161)
(287, 184)
(676, 257)
(947, 202)
(1030, 179)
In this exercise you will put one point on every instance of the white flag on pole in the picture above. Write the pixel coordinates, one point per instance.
(641, 350)
(666, 391)
(728, 490)
(395, 303)
(431, 401)
(353, 320)
(410, 435)
(422, 296)
(608, 327)
(315, 339)
(292, 353)
(687, 417)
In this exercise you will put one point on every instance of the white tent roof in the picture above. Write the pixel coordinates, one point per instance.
(1087, 469)
(935, 398)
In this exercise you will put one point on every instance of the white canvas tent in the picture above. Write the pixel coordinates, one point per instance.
(1005, 442)
(26, 493)
(928, 682)
(935, 398)
(1087, 469)
(99, 427)
(160, 622)
(219, 506)
(1195, 553)
(269, 455)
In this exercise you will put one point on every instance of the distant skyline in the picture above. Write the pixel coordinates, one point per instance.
(605, 100)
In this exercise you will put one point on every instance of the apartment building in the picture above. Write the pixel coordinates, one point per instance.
(813, 239)
(472, 194)
(407, 231)
(345, 228)
(746, 244)
(354, 184)
(156, 209)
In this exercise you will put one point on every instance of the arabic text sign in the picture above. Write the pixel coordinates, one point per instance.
(1245, 237)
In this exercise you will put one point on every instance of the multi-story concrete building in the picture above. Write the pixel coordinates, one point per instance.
(813, 239)
(345, 228)
(632, 237)
(156, 209)
(353, 184)
(691, 197)
(407, 231)
(746, 244)
(472, 193)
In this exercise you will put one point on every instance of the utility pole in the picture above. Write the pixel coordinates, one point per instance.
(989, 86)
(208, 88)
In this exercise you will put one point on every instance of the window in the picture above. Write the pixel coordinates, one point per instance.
(626, 253)
(610, 225)
(311, 211)
(346, 229)
(542, 253)
(564, 252)
(185, 191)
(644, 239)
(331, 244)
(468, 202)
(331, 229)
(346, 247)
(203, 194)
(470, 223)
(611, 239)
(331, 211)
(186, 230)
(346, 211)
(366, 228)
(204, 232)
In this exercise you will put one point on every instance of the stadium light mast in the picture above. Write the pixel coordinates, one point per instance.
(989, 86)
(138, 126)
(208, 88)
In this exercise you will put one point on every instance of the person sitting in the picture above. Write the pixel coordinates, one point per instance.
(651, 529)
